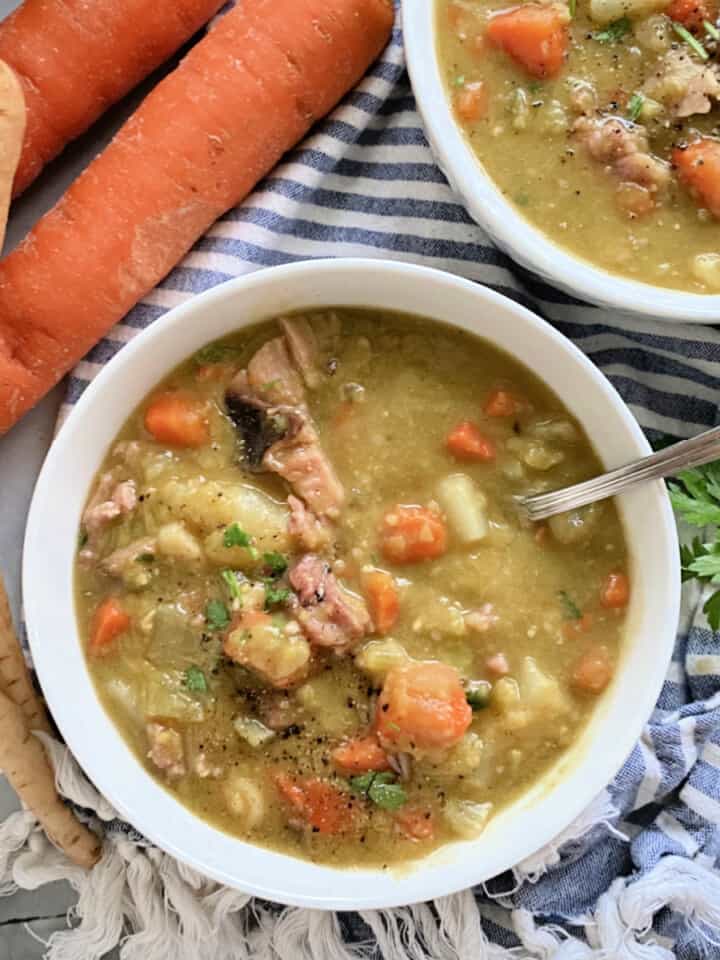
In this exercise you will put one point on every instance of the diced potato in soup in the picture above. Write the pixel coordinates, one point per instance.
(319, 620)
(600, 123)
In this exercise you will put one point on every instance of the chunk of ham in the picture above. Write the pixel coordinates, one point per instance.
(303, 349)
(272, 377)
(118, 562)
(328, 613)
(166, 749)
(308, 531)
(112, 499)
(266, 403)
(685, 85)
(299, 459)
(625, 152)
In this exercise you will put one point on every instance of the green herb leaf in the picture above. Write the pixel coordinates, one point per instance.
(696, 498)
(572, 7)
(690, 40)
(635, 105)
(571, 610)
(535, 86)
(522, 199)
(711, 30)
(145, 558)
(270, 384)
(195, 681)
(614, 32)
(478, 696)
(459, 81)
(215, 353)
(711, 609)
(275, 564)
(82, 539)
(234, 536)
(381, 788)
(275, 595)
(216, 615)
(232, 583)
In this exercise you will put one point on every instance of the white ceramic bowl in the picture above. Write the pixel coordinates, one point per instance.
(50, 548)
(509, 229)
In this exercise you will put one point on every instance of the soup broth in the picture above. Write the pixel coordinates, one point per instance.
(310, 605)
(608, 143)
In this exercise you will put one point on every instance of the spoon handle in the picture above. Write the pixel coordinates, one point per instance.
(701, 449)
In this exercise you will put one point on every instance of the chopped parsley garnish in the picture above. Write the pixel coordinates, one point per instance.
(234, 536)
(690, 40)
(215, 353)
(635, 105)
(695, 497)
(270, 384)
(522, 199)
(195, 681)
(232, 583)
(711, 30)
(145, 558)
(478, 696)
(459, 81)
(571, 610)
(535, 86)
(274, 564)
(82, 539)
(572, 7)
(614, 32)
(216, 615)
(275, 595)
(381, 788)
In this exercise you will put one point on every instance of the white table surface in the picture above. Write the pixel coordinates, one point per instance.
(22, 451)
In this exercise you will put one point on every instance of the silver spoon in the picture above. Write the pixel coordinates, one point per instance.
(701, 449)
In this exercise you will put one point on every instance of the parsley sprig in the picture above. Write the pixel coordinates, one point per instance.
(614, 32)
(695, 497)
(381, 788)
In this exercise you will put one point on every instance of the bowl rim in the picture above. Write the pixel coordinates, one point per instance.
(525, 243)
(83, 721)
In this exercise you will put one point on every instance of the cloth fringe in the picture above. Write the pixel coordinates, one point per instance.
(156, 908)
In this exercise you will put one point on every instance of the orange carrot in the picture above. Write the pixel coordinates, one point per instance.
(359, 756)
(593, 671)
(76, 58)
(534, 35)
(198, 144)
(692, 13)
(422, 707)
(471, 103)
(415, 823)
(108, 623)
(383, 599)
(411, 534)
(177, 419)
(317, 803)
(466, 442)
(502, 403)
(615, 591)
(698, 167)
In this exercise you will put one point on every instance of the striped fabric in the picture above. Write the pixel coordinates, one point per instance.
(365, 184)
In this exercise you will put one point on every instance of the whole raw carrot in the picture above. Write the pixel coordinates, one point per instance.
(77, 57)
(199, 143)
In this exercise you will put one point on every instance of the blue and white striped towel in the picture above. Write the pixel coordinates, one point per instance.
(638, 877)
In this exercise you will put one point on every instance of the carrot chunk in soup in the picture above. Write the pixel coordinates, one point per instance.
(411, 534)
(422, 707)
(534, 35)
